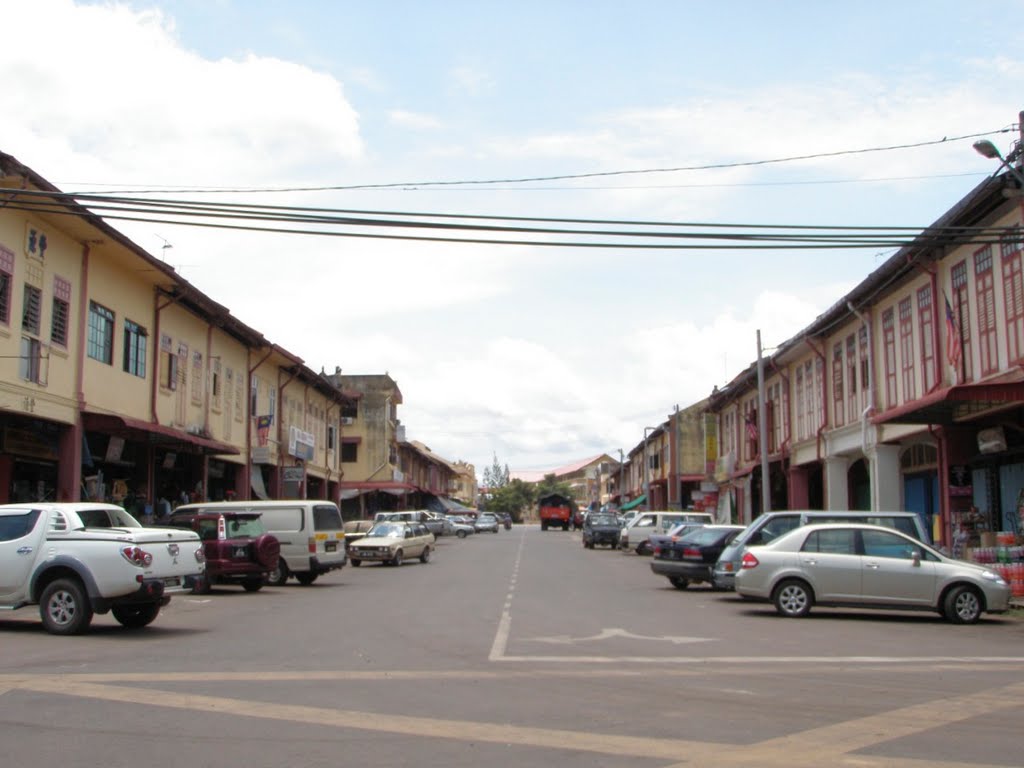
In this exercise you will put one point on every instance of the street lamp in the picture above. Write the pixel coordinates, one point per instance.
(622, 471)
(647, 468)
(986, 148)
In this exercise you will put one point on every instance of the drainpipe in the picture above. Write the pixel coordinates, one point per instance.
(250, 416)
(871, 380)
(280, 422)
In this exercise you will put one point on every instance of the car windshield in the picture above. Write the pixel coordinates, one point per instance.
(386, 529)
(486, 518)
(603, 520)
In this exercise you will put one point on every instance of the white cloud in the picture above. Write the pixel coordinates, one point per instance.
(471, 80)
(414, 120)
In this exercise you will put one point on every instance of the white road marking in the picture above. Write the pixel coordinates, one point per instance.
(606, 634)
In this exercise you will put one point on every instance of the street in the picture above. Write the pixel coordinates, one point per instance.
(520, 648)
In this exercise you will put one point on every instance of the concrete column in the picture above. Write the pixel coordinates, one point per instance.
(886, 478)
(837, 486)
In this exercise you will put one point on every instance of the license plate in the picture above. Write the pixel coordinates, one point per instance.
(331, 546)
(241, 552)
(174, 581)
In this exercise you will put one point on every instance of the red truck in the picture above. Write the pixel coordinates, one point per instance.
(556, 511)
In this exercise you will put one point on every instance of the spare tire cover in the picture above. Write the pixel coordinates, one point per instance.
(267, 550)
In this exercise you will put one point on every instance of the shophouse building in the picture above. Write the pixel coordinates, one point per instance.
(906, 394)
(120, 381)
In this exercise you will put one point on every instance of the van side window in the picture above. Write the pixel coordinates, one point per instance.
(775, 528)
(644, 522)
(841, 541)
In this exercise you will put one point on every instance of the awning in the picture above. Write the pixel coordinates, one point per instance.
(634, 503)
(366, 486)
(958, 403)
(154, 433)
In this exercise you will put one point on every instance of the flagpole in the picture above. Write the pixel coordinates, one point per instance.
(762, 431)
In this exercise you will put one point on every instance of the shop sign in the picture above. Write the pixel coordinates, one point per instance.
(710, 442)
(115, 447)
(301, 444)
(960, 480)
(724, 467)
(293, 474)
(27, 442)
(261, 455)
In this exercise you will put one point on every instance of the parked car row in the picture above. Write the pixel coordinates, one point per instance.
(799, 559)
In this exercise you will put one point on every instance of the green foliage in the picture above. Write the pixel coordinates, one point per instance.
(515, 498)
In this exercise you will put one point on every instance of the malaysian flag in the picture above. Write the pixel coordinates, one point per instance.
(751, 423)
(263, 428)
(954, 350)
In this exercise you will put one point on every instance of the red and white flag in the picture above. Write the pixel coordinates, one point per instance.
(954, 348)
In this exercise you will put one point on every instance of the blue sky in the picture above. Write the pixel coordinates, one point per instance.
(542, 356)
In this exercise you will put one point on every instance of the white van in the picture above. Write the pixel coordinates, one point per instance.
(637, 532)
(311, 534)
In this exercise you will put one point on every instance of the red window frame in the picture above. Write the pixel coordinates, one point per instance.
(985, 291)
(962, 310)
(927, 326)
(1013, 296)
(889, 344)
(907, 356)
(839, 405)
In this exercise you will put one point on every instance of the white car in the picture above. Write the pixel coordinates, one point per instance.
(392, 543)
(868, 566)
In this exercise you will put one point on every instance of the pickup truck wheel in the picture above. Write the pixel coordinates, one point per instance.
(425, 557)
(355, 562)
(64, 608)
(279, 575)
(397, 559)
(679, 582)
(135, 616)
(252, 585)
(305, 579)
(202, 585)
(643, 548)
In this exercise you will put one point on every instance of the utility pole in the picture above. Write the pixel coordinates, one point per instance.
(762, 431)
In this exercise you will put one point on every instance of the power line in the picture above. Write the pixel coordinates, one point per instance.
(559, 177)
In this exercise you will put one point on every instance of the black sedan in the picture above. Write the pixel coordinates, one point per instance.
(691, 558)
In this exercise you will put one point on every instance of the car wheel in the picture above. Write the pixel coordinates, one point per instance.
(252, 585)
(461, 534)
(306, 578)
(793, 598)
(279, 575)
(962, 605)
(355, 562)
(135, 616)
(425, 557)
(679, 582)
(643, 548)
(397, 559)
(64, 608)
(202, 586)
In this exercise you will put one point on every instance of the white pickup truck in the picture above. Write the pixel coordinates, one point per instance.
(78, 559)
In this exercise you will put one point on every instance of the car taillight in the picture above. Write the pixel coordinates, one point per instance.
(749, 561)
(137, 556)
(691, 552)
(311, 542)
(200, 555)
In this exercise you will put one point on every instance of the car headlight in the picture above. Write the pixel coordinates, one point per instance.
(992, 576)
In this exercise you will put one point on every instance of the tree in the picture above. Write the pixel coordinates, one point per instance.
(495, 476)
(550, 485)
(514, 498)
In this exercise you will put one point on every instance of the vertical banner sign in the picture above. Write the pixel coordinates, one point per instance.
(710, 443)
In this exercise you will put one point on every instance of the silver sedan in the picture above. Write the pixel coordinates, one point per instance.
(866, 566)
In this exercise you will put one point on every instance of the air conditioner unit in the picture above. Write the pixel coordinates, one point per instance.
(992, 440)
(347, 420)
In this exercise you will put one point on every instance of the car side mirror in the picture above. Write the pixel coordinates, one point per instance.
(916, 558)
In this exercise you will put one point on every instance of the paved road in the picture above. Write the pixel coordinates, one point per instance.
(515, 649)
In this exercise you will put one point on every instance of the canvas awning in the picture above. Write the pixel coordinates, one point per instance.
(958, 403)
(154, 433)
(634, 503)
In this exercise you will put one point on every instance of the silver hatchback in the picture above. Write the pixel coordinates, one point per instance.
(869, 566)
